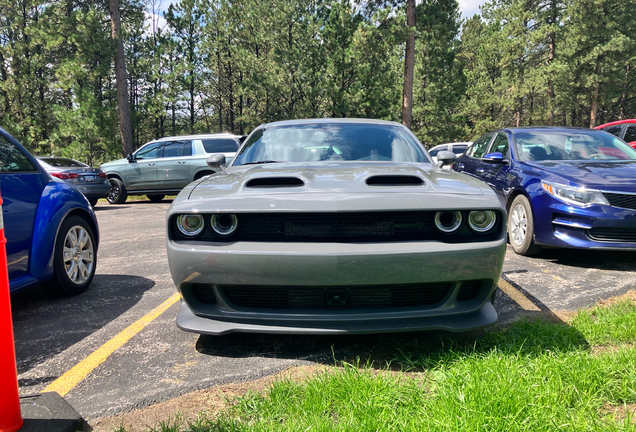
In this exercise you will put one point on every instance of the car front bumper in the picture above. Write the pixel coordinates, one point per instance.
(595, 227)
(342, 268)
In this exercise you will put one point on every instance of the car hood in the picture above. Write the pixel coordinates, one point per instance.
(114, 163)
(339, 178)
(605, 175)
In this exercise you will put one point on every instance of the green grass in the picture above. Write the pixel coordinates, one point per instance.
(531, 376)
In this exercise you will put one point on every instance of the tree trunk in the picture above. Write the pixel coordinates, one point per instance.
(551, 51)
(120, 79)
(597, 88)
(409, 61)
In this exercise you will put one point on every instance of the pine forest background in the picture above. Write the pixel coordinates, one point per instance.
(201, 66)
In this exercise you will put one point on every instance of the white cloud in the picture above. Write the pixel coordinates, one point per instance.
(470, 7)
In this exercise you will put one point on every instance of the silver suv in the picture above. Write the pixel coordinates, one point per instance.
(165, 166)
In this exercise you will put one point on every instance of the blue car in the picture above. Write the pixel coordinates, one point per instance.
(562, 187)
(51, 229)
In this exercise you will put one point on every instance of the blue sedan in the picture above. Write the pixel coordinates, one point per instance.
(51, 229)
(562, 187)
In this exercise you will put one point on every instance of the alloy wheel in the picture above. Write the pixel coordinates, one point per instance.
(519, 222)
(78, 255)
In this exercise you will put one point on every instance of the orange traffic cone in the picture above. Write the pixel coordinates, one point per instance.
(10, 417)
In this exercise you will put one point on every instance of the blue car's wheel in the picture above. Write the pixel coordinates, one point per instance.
(74, 258)
(521, 227)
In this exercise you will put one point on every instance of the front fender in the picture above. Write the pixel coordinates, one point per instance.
(58, 200)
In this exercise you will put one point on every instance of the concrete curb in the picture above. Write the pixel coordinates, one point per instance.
(49, 412)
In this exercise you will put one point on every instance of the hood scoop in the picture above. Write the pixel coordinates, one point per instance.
(275, 182)
(394, 180)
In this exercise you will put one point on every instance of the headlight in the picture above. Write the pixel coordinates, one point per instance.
(448, 221)
(578, 196)
(224, 224)
(190, 225)
(482, 221)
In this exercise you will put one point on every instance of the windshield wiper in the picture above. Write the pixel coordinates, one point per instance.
(261, 162)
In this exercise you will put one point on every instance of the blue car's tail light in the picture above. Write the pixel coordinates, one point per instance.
(224, 224)
(482, 221)
(573, 195)
(190, 225)
(448, 222)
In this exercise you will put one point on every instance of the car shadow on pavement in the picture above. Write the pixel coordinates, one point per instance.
(589, 258)
(105, 207)
(390, 350)
(45, 326)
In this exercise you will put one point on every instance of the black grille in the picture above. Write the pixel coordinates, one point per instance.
(273, 182)
(613, 234)
(621, 200)
(468, 290)
(323, 298)
(394, 181)
(204, 294)
(337, 226)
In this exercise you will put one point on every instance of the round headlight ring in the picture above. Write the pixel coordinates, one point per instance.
(224, 224)
(482, 221)
(448, 222)
(190, 225)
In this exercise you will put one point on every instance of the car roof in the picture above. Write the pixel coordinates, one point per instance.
(543, 129)
(335, 120)
(199, 136)
(619, 122)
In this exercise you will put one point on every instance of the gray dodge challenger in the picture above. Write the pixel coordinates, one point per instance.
(334, 226)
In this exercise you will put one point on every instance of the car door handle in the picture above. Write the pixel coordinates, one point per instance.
(181, 163)
(480, 170)
(461, 166)
(151, 164)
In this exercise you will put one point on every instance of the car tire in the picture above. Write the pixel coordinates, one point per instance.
(118, 193)
(521, 227)
(74, 258)
(93, 201)
(155, 198)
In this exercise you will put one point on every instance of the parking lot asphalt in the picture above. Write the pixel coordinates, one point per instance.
(158, 361)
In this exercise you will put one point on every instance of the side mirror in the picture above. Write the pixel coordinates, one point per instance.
(130, 157)
(446, 158)
(496, 157)
(217, 162)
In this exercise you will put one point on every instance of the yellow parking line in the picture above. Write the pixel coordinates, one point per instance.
(17, 261)
(517, 296)
(77, 373)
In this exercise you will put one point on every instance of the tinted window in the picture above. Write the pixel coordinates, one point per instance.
(436, 150)
(630, 134)
(174, 148)
(571, 145)
(12, 159)
(307, 142)
(149, 152)
(479, 147)
(500, 144)
(220, 145)
(62, 162)
(459, 149)
(614, 130)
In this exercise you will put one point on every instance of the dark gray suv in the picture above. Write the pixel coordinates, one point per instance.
(165, 166)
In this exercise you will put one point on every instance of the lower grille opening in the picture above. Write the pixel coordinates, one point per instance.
(204, 294)
(364, 297)
(468, 290)
(612, 234)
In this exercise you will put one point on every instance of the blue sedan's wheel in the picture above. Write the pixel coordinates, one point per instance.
(74, 258)
(521, 227)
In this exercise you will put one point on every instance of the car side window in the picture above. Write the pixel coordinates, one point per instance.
(500, 144)
(151, 151)
(220, 145)
(174, 149)
(436, 150)
(459, 149)
(614, 130)
(630, 134)
(12, 160)
(479, 147)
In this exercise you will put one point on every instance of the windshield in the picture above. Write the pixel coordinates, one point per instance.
(330, 142)
(62, 162)
(571, 145)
